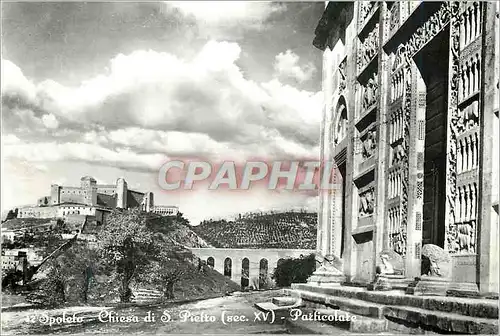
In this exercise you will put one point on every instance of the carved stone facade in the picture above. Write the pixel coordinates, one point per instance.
(413, 112)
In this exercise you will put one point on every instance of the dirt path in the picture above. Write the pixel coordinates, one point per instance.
(226, 315)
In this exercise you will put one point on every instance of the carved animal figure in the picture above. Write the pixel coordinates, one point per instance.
(435, 261)
(329, 263)
(386, 266)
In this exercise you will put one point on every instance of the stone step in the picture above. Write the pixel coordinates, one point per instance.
(143, 295)
(417, 318)
(271, 306)
(147, 294)
(474, 307)
(333, 322)
(315, 328)
(284, 300)
(354, 306)
(357, 323)
(152, 291)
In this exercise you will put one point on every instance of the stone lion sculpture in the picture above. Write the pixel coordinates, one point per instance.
(329, 262)
(390, 263)
(436, 262)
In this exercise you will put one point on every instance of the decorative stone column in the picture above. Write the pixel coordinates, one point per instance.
(488, 230)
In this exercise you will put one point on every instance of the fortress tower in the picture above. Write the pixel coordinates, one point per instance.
(54, 194)
(88, 186)
(148, 202)
(121, 192)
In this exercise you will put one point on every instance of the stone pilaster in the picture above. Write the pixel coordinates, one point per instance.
(380, 241)
(488, 222)
(351, 208)
(415, 173)
(325, 196)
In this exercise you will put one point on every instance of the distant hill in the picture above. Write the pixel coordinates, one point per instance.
(286, 230)
(18, 223)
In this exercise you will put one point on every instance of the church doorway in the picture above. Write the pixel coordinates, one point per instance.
(432, 61)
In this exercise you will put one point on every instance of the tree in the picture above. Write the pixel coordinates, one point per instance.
(127, 243)
(167, 268)
(10, 278)
(52, 291)
(12, 214)
(181, 219)
(71, 275)
(294, 270)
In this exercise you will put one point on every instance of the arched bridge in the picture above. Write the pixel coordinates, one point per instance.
(248, 267)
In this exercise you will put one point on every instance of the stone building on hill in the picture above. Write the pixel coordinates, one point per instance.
(92, 199)
(411, 121)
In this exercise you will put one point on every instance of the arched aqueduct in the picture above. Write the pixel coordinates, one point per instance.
(248, 267)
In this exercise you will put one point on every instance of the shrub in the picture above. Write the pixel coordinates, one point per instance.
(294, 270)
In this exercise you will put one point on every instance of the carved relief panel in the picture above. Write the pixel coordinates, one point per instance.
(470, 23)
(365, 8)
(366, 202)
(397, 240)
(368, 144)
(464, 240)
(368, 48)
(466, 52)
(340, 120)
(370, 93)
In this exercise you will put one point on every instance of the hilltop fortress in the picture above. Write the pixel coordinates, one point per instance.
(93, 199)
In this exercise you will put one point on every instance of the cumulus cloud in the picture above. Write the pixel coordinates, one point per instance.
(151, 104)
(287, 65)
(50, 121)
(15, 83)
(55, 152)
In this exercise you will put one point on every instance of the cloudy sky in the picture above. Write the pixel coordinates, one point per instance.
(117, 89)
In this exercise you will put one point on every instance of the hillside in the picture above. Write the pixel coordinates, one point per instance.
(171, 235)
(18, 223)
(178, 231)
(286, 230)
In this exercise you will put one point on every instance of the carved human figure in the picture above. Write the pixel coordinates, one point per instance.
(472, 247)
(464, 237)
(459, 156)
(472, 115)
(368, 93)
(473, 201)
(369, 145)
(366, 203)
(398, 154)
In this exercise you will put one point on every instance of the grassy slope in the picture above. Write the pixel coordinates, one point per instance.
(199, 281)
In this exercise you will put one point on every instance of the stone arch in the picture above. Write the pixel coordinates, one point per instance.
(245, 273)
(228, 267)
(340, 121)
(211, 262)
(263, 273)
